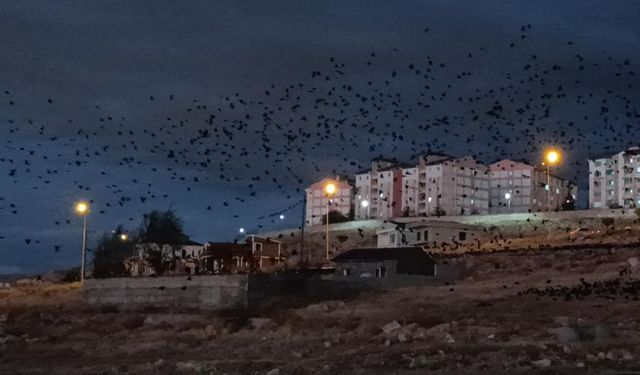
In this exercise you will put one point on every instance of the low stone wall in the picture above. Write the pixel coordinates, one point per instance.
(182, 292)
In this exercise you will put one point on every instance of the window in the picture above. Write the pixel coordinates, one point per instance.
(462, 236)
(426, 235)
(381, 273)
(346, 271)
(258, 247)
(418, 235)
(392, 238)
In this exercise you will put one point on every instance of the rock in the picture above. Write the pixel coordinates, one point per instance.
(634, 262)
(261, 323)
(561, 320)
(626, 355)
(387, 343)
(191, 366)
(542, 363)
(296, 354)
(580, 365)
(591, 358)
(601, 355)
(210, 331)
(610, 356)
(420, 361)
(327, 344)
(402, 337)
(275, 371)
(566, 334)
(420, 334)
(601, 331)
(320, 307)
(160, 363)
(390, 327)
(439, 330)
(448, 338)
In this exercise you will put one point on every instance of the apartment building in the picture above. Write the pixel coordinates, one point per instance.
(614, 181)
(444, 185)
(517, 187)
(379, 191)
(316, 203)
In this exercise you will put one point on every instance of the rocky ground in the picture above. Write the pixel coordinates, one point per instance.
(548, 312)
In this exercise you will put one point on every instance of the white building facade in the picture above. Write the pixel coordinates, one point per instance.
(518, 187)
(443, 185)
(378, 192)
(316, 201)
(614, 181)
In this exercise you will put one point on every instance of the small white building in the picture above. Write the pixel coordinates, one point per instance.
(427, 233)
(614, 181)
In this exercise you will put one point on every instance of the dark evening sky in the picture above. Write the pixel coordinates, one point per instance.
(225, 110)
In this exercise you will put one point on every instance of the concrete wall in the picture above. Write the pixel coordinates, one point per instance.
(207, 292)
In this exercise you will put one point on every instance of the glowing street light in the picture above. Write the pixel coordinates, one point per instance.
(82, 209)
(281, 217)
(329, 188)
(124, 237)
(365, 204)
(552, 157)
(241, 230)
(507, 196)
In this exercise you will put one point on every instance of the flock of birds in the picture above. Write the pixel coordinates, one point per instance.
(627, 289)
(275, 141)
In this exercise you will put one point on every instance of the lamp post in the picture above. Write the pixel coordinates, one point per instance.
(507, 196)
(82, 209)
(365, 204)
(329, 188)
(552, 157)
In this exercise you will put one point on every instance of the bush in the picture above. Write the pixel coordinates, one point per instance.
(71, 275)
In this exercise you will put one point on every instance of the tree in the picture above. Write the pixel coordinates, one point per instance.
(162, 227)
(334, 217)
(438, 211)
(110, 254)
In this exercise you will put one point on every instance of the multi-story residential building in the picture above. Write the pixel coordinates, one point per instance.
(517, 187)
(444, 185)
(379, 191)
(614, 181)
(316, 204)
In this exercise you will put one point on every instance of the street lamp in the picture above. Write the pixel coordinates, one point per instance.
(281, 217)
(507, 196)
(552, 157)
(241, 230)
(82, 209)
(365, 204)
(124, 237)
(329, 188)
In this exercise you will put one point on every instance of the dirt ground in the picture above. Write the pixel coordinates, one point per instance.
(547, 312)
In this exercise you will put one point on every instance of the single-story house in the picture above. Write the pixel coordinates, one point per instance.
(267, 252)
(383, 263)
(427, 233)
(180, 258)
(225, 257)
